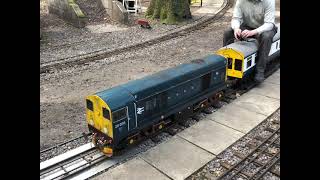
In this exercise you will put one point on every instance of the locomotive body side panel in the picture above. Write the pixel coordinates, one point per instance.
(176, 96)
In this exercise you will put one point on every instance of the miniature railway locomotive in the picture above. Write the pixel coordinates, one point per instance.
(124, 114)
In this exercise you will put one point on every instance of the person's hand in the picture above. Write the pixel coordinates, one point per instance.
(246, 33)
(237, 33)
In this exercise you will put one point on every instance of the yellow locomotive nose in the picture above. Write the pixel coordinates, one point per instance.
(99, 120)
(235, 61)
(99, 115)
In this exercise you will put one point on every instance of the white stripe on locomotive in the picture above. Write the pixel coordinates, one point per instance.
(274, 47)
(253, 62)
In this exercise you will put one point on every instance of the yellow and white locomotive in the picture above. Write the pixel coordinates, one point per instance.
(242, 55)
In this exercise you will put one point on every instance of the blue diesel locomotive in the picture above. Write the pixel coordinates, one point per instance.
(122, 115)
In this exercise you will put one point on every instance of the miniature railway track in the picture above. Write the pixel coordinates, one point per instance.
(68, 164)
(233, 171)
(60, 148)
(79, 163)
(85, 136)
(68, 44)
(100, 54)
(238, 169)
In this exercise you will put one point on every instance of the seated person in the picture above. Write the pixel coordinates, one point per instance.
(254, 18)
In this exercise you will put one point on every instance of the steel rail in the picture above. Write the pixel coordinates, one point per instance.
(247, 156)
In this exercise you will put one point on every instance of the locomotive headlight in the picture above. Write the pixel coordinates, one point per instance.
(105, 130)
(91, 122)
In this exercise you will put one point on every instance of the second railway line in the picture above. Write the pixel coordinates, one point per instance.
(105, 53)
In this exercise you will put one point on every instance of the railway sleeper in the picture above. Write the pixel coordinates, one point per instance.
(257, 162)
(275, 172)
(239, 155)
(276, 122)
(171, 131)
(225, 165)
(270, 129)
(259, 138)
(252, 145)
(245, 174)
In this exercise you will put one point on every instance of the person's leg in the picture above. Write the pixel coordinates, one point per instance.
(228, 36)
(265, 41)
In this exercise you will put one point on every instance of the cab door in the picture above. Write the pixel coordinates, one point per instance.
(124, 120)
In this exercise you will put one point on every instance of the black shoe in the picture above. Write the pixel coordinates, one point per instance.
(259, 77)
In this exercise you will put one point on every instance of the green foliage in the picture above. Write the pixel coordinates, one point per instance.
(150, 9)
(169, 11)
(164, 13)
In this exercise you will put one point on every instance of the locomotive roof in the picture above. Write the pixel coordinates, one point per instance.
(119, 96)
(247, 48)
(116, 97)
(147, 86)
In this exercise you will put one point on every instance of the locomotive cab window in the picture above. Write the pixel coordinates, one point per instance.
(89, 105)
(151, 104)
(229, 63)
(119, 114)
(249, 61)
(238, 65)
(106, 113)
